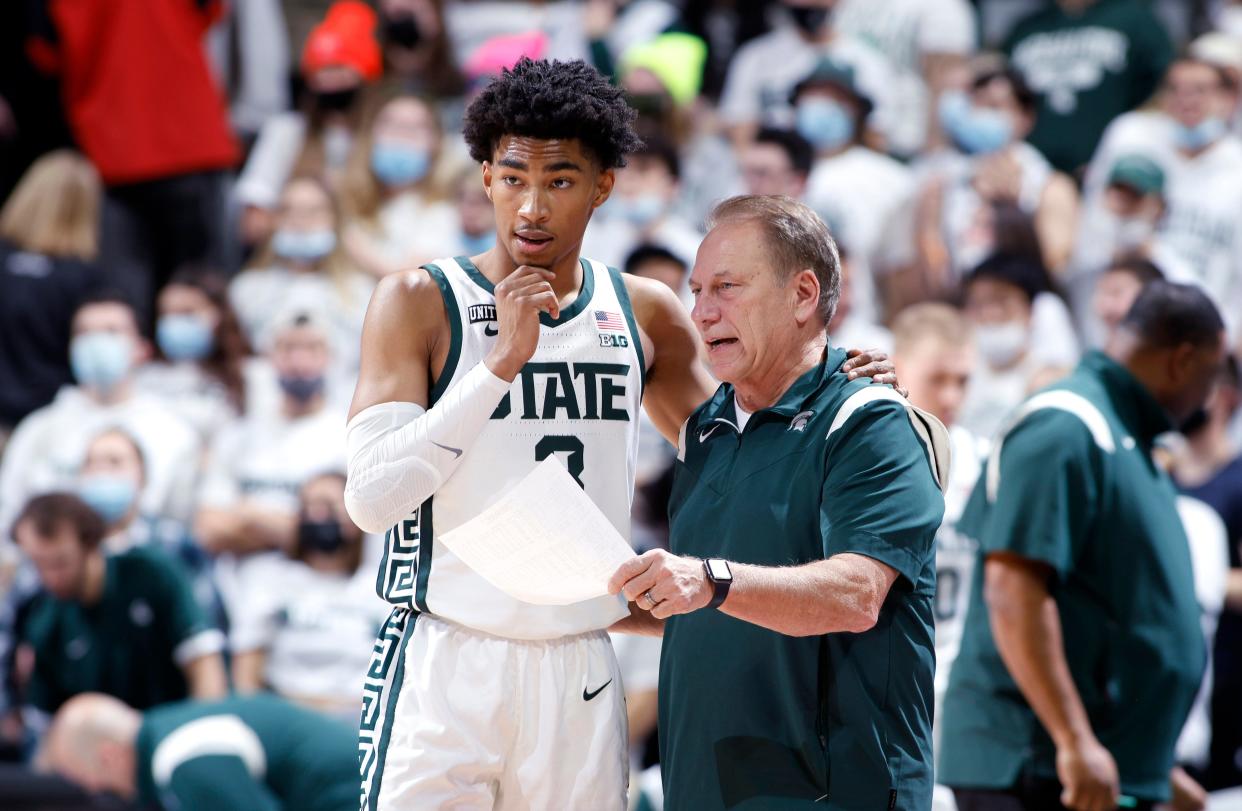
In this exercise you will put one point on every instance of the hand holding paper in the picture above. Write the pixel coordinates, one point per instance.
(543, 542)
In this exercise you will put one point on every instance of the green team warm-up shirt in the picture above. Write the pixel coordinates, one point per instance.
(754, 719)
(131, 644)
(253, 753)
(1073, 485)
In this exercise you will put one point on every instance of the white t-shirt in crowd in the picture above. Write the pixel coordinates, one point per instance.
(413, 230)
(866, 198)
(47, 448)
(610, 239)
(261, 296)
(191, 393)
(856, 332)
(1203, 194)
(905, 31)
(317, 629)
(992, 394)
(766, 69)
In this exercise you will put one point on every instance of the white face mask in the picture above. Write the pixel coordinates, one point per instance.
(1128, 233)
(1002, 344)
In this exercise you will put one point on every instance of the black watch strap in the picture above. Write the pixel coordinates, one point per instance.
(720, 586)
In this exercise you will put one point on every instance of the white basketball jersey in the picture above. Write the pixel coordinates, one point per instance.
(578, 398)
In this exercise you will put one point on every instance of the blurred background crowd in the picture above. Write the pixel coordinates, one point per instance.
(198, 197)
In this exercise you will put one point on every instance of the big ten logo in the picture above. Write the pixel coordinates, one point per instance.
(614, 341)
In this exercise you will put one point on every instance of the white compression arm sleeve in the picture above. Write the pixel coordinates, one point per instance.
(400, 453)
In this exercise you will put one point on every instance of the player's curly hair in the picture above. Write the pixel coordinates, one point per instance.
(542, 99)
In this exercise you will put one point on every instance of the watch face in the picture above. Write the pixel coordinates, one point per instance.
(719, 569)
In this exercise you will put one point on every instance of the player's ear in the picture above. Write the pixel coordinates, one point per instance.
(603, 187)
(487, 178)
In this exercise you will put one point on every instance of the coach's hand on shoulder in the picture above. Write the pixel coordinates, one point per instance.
(872, 363)
(1088, 776)
(520, 297)
(663, 583)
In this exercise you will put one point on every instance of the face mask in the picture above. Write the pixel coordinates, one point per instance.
(640, 211)
(184, 337)
(1001, 344)
(320, 536)
(336, 101)
(403, 31)
(303, 246)
(100, 360)
(1203, 134)
(478, 243)
(809, 19)
(976, 131)
(825, 123)
(398, 164)
(1132, 233)
(302, 389)
(109, 495)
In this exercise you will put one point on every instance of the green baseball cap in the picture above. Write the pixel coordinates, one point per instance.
(1139, 173)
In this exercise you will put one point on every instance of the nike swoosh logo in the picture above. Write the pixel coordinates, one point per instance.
(489, 331)
(455, 451)
(588, 696)
(706, 432)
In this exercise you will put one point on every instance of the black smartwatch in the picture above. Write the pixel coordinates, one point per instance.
(721, 577)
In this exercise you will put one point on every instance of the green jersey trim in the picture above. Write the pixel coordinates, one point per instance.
(390, 714)
(579, 304)
(623, 296)
(423, 569)
(454, 318)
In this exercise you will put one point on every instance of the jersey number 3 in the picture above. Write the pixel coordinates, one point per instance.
(563, 444)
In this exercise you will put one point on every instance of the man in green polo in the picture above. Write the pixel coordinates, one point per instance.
(796, 605)
(1082, 651)
(252, 753)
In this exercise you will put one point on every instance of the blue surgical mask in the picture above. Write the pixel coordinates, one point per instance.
(826, 123)
(639, 211)
(478, 243)
(302, 389)
(184, 337)
(1203, 134)
(975, 130)
(399, 164)
(109, 495)
(303, 246)
(100, 360)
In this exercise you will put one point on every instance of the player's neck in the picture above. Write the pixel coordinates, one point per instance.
(496, 265)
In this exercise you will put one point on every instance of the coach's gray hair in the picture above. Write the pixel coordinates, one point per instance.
(796, 237)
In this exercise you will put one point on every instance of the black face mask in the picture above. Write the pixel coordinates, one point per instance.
(809, 19)
(336, 101)
(302, 389)
(320, 536)
(1195, 423)
(403, 31)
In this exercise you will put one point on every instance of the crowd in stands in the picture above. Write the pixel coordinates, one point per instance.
(198, 198)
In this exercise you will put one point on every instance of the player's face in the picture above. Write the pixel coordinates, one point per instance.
(543, 192)
(936, 375)
(744, 312)
(59, 559)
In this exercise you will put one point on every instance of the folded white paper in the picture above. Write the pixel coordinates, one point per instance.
(543, 542)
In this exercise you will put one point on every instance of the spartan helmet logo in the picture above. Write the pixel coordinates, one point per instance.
(800, 420)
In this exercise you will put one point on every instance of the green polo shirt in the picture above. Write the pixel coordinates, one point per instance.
(252, 753)
(1078, 489)
(131, 644)
(754, 719)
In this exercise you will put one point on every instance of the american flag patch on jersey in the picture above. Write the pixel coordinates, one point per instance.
(609, 321)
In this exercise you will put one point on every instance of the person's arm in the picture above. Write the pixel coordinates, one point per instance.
(1027, 629)
(244, 528)
(248, 670)
(213, 782)
(1056, 221)
(205, 677)
(399, 449)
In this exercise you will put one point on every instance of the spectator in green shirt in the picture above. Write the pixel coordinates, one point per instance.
(255, 753)
(796, 602)
(124, 624)
(1082, 652)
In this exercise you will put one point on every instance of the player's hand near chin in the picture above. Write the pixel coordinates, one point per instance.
(520, 297)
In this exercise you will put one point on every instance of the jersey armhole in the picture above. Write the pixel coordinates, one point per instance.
(627, 308)
(453, 313)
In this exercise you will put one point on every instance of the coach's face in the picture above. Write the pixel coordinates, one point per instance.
(544, 192)
(748, 316)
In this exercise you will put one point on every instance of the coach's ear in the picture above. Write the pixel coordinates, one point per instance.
(603, 187)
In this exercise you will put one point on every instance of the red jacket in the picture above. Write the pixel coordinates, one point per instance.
(135, 84)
